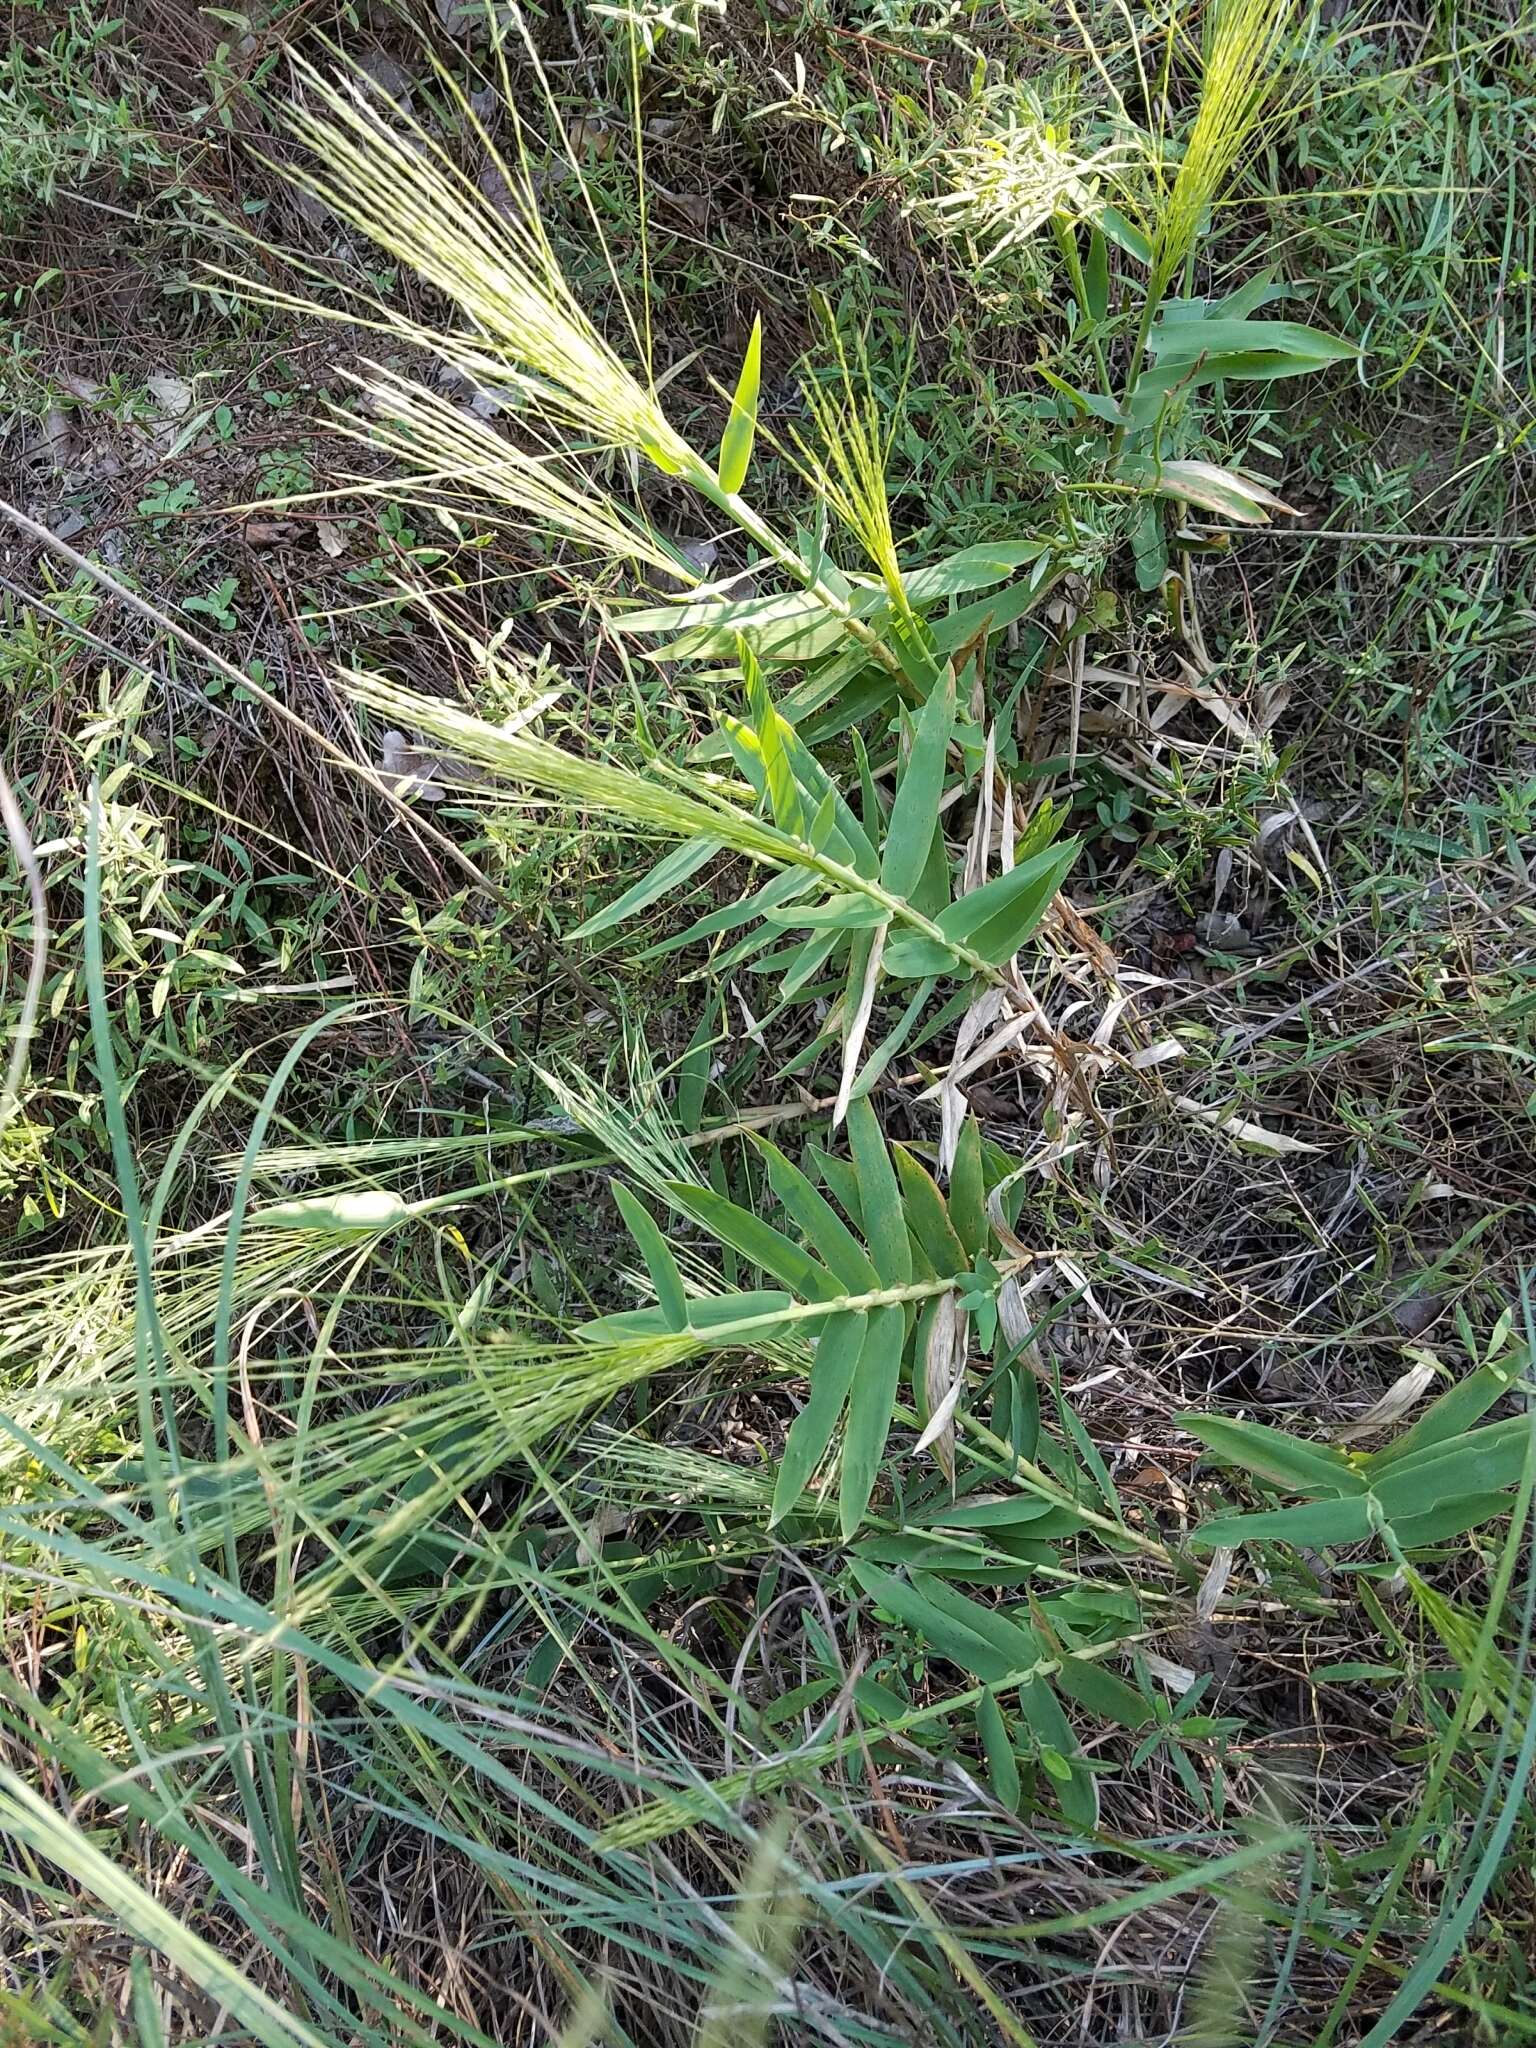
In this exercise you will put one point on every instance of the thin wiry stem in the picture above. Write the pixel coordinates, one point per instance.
(26, 859)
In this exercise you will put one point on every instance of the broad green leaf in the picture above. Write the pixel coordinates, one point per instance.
(751, 948)
(996, 919)
(1449, 1518)
(1103, 1693)
(755, 1240)
(970, 569)
(848, 841)
(935, 885)
(823, 826)
(861, 691)
(915, 813)
(1096, 276)
(819, 1221)
(746, 750)
(707, 1315)
(1271, 1454)
(1092, 1608)
(1088, 1451)
(1260, 290)
(783, 790)
(1155, 387)
(915, 1606)
(885, 1225)
(1125, 237)
(811, 548)
(871, 805)
(657, 1253)
(968, 1190)
(910, 956)
(725, 615)
(692, 1070)
(999, 1561)
(1002, 1764)
(881, 1703)
(1182, 341)
(837, 695)
(1093, 402)
(669, 873)
(784, 630)
(1311, 1526)
(736, 441)
(871, 1404)
(1482, 1461)
(1149, 546)
(1014, 1511)
(1075, 1787)
(1457, 1409)
(838, 1351)
(843, 1181)
(846, 912)
(1015, 1641)
(928, 1216)
(806, 961)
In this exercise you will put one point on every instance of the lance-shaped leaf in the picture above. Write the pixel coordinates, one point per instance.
(996, 919)
(1277, 348)
(817, 1218)
(1482, 1461)
(838, 1352)
(885, 1222)
(928, 1215)
(670, 872)
(1002, 1764)
(1454, 1412)
(915, 813)
(1311, 1525)
(736, 441)
(657, 1253)
(968, 1190)
(712, 1317)
(976, 1639)
(871, 1404)
(755, 1240)
(1271, 1454)
(784, 792)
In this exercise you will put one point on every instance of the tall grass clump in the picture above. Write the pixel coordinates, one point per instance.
(785, 1477)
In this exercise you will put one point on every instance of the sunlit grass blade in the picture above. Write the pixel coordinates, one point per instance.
(34, 1825)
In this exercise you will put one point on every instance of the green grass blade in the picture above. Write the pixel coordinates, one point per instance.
(736, 441)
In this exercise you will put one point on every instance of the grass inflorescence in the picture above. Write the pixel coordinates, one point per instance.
(767, 1127)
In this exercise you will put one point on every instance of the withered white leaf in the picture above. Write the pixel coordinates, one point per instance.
(952, 1104)
(944, 1379)
(1404, 1393)
(1242, 1130)
(858, 1025)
